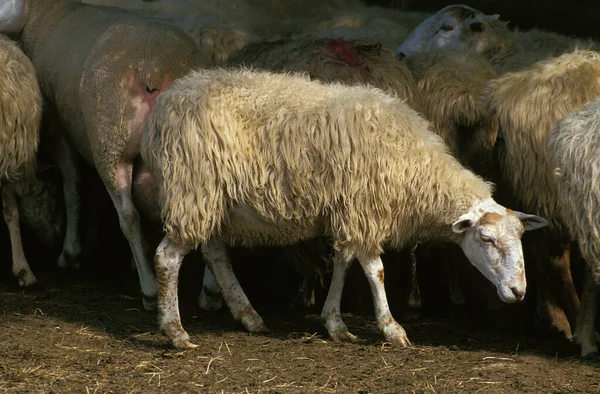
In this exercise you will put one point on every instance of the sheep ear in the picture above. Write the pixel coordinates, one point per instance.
(493, 17)
(531, 222)
(464, 223)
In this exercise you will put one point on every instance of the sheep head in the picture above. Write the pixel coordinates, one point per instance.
(490, 237)
(463, 29)
(13, 15)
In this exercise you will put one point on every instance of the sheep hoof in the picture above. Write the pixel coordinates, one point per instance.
(257, 328)
(343, 336)
(589, 352)
(150, 302)
(395, 334)
(210, 302)
(26, 278)
(66, 261)
(184, 343)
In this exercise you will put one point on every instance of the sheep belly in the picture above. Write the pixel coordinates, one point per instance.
(246, 227)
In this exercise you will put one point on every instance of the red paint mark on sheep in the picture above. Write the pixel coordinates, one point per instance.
(346, 52)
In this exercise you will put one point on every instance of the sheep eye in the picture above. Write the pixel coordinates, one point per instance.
(446, 27)
(487, 238)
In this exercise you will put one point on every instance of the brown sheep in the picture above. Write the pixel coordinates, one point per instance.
(528, 105)
(101, 84)
(20, 108)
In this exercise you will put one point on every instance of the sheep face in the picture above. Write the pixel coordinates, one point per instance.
(491, 240)
(13, 15)
(454, 28)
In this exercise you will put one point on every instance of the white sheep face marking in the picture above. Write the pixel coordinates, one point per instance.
(491, 240)
(13, 15)
(455, 27)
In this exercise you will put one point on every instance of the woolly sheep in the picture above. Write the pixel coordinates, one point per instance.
(573, 152)
(528, 105)
(328, 60)
(334, 60)
(100, 84)
(21, 108)
(557, 297)
(285, 159)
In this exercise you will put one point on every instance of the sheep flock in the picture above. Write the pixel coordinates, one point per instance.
(332, 129)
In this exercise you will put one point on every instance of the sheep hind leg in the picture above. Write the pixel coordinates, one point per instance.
(20, 267)
(210, 297)
(215, 255)
(585, 333)
(392, 331)
(129, 220)
(168, 258)
(331, 308)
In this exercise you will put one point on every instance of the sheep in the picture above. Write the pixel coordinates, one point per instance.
(528, 104)
(334, 60)
(572, 148)
(328, 60)
(20, 114)
(100, 84)
(505, 52)
(284, 159)
(384, 25)
(462, 29)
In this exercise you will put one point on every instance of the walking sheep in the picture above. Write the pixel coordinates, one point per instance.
(20, 114)
(100, 83)
(528, 104)
(574, 156)
(255, 158)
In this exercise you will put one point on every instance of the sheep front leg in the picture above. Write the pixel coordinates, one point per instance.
(129, 220)
(168, 258)
(331, 308)
(393, 332)
(585, 333)
(20, 267)
(215, 255)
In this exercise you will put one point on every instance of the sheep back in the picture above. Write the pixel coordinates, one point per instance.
(335, 60)
(357, 159)
(528, 105)
(574, 155)
(20, 114)
(452, 87)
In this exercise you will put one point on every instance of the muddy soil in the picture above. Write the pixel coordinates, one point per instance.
(85, 332)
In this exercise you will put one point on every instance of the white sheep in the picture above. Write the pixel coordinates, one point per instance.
(574, 156)
(254, 158)
(21, 109)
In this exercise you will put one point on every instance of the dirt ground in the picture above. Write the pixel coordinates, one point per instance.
(85, 333)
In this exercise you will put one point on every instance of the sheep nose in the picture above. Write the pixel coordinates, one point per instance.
(518, 293)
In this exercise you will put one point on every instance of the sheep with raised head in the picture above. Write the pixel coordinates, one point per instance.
(21, 109)
(283, 159)
(100, 85)
(574, 157)
(528, 104)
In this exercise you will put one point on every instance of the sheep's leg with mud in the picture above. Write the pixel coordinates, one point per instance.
(129, 220)
(585, 332)
(20, 267)
(65, 157)
(168, 259)
(392, 331)
(215, 255)
(210, 297)
(331, 308)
